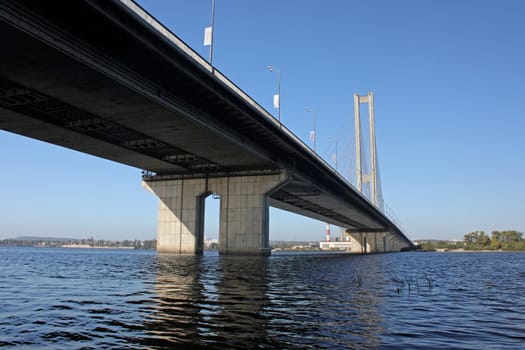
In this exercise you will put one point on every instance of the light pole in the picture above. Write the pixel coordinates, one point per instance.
(208, 32)
(212, 29)
(334, 157)
(314, 136)
(277, 98)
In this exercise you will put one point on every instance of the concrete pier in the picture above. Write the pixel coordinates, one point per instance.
(374, 242)
(244, 213)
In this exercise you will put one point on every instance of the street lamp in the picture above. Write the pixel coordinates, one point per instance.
(334, 156)
(313, 136)
(208, 32)
(277, 98)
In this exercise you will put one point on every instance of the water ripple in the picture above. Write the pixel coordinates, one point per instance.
(90, 299)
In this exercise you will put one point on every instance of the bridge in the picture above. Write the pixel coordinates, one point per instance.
(105, 78)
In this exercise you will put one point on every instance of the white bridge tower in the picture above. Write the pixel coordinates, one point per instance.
(371, 177)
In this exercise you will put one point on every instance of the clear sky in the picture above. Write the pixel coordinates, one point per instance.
(449, 84)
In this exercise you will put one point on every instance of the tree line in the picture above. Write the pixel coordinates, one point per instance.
(504, 240)
(95, 243)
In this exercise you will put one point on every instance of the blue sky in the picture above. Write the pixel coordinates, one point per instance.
(449, 84)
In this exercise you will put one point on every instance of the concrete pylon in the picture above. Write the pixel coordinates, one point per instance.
(370, 242)
(370, 178)
(358, 241)
(244, 213)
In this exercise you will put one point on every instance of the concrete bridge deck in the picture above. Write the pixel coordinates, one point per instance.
(105, 78)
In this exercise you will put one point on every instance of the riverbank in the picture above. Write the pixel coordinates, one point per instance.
(87, 246)
(461, 250)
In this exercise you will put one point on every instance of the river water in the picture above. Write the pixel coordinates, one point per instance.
(114, 299)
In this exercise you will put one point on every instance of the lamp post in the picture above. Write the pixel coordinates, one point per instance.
(208, 33)
(212, 29)
(314, 136)
(334, 158)
(277, 98)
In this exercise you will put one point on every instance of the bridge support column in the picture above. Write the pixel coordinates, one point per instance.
(180, 223)
(381, 242)
(395, 244)
(359, 242)
(244, 213)
(244, 216)
(370, 242)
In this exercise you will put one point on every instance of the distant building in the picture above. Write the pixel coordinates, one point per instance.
(335, 245)
(211, 243)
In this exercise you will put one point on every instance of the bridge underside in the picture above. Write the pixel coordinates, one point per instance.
(94, 77)
(245, 199)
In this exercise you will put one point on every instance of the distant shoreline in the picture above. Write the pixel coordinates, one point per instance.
(461, 250)
(71, 247)
(85, 246)
(74, 243)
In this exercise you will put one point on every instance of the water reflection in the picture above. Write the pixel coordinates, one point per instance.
(176, 316)
(209, 301)
(278, 302)
(242, 295)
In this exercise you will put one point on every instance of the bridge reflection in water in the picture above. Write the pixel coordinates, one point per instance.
(278, 302)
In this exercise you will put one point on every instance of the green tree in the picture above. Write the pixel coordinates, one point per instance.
(495, 240)
(508, 240)
(428, 246)
(476, 240)
(150, 244)
(483, 239)
(471, 238)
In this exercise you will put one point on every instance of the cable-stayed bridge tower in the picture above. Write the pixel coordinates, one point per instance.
(370, 178)
(368, 181)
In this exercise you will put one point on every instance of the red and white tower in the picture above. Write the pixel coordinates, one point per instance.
(328, 232)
